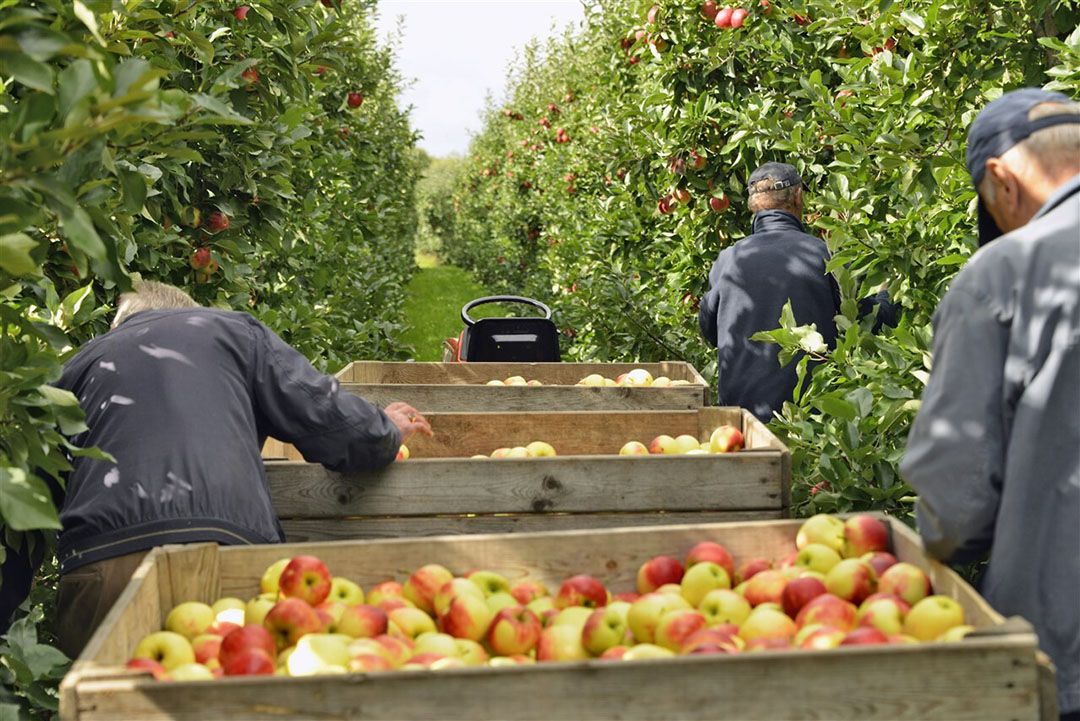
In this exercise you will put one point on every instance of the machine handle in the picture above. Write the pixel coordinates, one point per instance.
(501, 299)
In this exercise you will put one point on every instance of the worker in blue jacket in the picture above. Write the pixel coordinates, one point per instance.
(752, 280)
(183, 398)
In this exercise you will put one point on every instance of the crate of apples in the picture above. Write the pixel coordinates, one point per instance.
(838, 586)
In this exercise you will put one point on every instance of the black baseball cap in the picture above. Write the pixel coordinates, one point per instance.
(782, 176)
(1001, 125)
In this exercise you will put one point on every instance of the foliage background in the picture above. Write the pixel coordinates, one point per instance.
(871, 99)
(124, 125)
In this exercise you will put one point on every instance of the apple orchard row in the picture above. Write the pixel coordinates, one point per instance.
(839, 586)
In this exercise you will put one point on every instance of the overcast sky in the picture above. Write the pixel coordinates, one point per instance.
(456, 51)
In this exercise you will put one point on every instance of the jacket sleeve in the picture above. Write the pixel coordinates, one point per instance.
(955, 453)
(710, 303)
(887, 314)
(299, 405)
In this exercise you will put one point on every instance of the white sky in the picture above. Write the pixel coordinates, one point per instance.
(457, 51)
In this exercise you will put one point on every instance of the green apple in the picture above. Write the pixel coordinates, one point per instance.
(168, 648)
(701, 578)
(434, 642)
(498, 601)
(824, 529)
(346, 591)
(540, 449)
(931, 617)
(645, 651)
(817, 557)
(606, 627)
(269, 581)
(724, 606)
(489, 582)
(645, 613)
(684, 444)
(190, 619)
(561, 643)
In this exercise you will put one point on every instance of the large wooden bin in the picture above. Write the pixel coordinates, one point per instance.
(993, 675)
(442, 490)
(461, 387)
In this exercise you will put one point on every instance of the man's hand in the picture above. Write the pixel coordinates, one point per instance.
(408, 420)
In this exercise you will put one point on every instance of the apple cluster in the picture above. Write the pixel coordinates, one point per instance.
(839, 586)
(637, 378)
(515, 381)
(725, 439)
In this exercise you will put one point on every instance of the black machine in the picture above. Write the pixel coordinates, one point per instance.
(520, 340)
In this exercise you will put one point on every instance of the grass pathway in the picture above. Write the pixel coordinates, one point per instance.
(433, 307)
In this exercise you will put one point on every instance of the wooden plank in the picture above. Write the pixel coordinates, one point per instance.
(973, 681)
(190, 572)
(441, 398)
(303, 530)
(565, 484)
(378, 372)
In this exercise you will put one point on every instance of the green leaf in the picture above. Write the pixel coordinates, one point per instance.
(26, 70)
(87, 17)
(78, 229)
(25, 502)
(15, 254)
(77, 81)
(835, 407)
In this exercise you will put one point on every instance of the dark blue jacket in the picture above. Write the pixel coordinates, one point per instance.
(184, 400)
(748, 286)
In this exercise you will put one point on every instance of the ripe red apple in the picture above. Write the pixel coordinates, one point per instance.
(581, 590)
(751, 568)
(240, 13)
(719, 205)
(305, 577)
(528, 590)
(720, 639)
(738, 17)
(907, 581)
(515, 630)
(467, 616)
(766, 7)
(865, 534)
(251, 75)
(249, 662)
(200, 258)
(615, 653)
(355, 100)
(217, 222)
(675, 627)
(885, 613)
(799, 592)
(654, 13)
(765, 587)
(666, 205)
(363, 621)
(423, 584)
(711, 551)
(709, 9)
(289, 619)
(863, 636)
(881, 562)
(819, 638)
(657, 571)
(249, 636)
(852, 580)
(801, 19)
(726, 439)
(828, 610)
(767, 644)
(681, 194)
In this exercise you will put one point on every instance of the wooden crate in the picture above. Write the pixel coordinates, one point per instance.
(460, 387)
(441, 490)
(994, 674)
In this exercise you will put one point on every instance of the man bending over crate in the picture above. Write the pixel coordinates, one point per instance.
(183, 397)
(995, 450)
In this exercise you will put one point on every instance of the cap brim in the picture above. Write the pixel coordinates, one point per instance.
(988, 229)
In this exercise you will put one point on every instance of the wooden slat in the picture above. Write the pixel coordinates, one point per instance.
(441, 398)
(305, 530)
(570, 485)
(976, 681)
(378, 372)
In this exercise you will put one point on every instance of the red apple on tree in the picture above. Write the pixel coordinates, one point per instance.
(250, 75)
(723, 17)
(355, 100)
(719, 205)
(738, 17)
(240, 13)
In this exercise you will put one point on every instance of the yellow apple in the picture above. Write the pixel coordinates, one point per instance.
(269, 581)
(540, 449)
(190, 619)
(168, 648)
(192, 672)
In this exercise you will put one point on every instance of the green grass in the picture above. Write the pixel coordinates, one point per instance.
(433, 308)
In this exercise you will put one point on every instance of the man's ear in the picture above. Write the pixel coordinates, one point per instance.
(1005, 189)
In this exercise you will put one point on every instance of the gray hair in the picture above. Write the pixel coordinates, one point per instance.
(151, 295)
(783, 199)
(1056, 150)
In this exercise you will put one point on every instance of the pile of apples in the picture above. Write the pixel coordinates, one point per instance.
(839, 586)
(515, 381)
(637, 378)
(725, 439)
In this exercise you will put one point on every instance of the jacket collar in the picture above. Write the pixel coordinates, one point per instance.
(1070, 188)
(776, 220)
